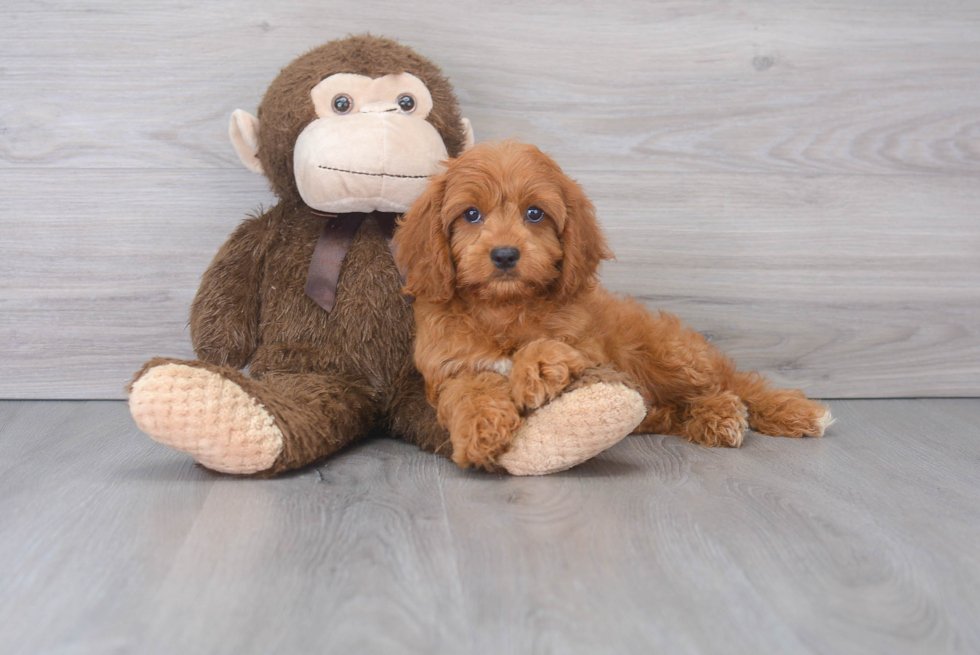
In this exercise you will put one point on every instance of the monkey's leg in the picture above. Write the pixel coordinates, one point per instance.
(234, 424)
(412, 418)
(592, 414)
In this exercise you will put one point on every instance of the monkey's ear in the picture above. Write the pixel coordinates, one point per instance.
(244, 133)
(468, 138)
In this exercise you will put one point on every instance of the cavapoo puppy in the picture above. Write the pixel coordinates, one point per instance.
(502, 252)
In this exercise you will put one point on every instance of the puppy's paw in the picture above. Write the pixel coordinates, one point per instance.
(481, 436)
(541, 370)
(790, 414)
(480, 416)
(719, 420)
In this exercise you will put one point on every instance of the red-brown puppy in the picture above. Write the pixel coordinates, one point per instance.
(502, 252)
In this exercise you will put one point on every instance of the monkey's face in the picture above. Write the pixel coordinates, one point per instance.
(370, 147)
(354, 125)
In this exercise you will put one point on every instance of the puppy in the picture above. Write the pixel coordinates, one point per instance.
(502, 253)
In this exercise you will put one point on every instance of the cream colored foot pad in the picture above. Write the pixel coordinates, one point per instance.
(207, 416)
(573, 428)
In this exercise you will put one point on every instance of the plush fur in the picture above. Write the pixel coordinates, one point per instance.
(326, 378)
(320, 379)
(287, 107)
(494, 344)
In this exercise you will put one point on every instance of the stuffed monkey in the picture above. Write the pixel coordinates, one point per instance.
(307, 295)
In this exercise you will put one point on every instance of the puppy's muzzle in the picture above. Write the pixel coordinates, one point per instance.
(505, 257)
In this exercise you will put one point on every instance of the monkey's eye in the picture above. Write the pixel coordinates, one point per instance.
(534, 214)
(472, 215)
(406, 102)
(342, 103)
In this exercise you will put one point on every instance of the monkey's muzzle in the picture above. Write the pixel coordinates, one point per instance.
(374, 161)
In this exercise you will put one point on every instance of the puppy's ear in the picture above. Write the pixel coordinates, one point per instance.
(422, 247)
(582, 240)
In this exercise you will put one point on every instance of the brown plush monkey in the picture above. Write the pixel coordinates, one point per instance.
(307, 295)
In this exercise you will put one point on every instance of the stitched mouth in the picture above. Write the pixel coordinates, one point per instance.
(342, 170)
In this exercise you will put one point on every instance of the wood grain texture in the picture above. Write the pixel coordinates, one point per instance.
(798, 179)
(881, 87)
(884, 306)
(864, 541)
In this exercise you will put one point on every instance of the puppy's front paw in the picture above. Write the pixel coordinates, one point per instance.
(480, 416)
(484, 433)
(541, 370)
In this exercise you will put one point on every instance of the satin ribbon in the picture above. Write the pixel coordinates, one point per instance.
(338, 233)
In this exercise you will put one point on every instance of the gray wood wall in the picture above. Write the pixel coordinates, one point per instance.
(800, 180)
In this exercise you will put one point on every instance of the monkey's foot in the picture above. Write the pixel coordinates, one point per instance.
(573, 428)
(199, 412)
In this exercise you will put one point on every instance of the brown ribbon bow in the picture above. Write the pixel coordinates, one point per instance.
(331, 248)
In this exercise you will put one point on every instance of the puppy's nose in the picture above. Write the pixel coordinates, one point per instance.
(505, 257)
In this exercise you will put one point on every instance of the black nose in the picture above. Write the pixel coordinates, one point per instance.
(505, 257)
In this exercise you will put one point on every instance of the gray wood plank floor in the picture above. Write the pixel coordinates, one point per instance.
(866, 541)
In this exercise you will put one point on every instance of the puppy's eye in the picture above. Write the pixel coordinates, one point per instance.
(407, 103)
(472, 215)
(534, 214)
(342, 104)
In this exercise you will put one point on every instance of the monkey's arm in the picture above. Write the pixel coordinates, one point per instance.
(225, 312)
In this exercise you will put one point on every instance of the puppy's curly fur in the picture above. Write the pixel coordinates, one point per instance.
(497, 339)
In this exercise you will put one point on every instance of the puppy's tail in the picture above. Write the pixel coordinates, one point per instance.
(780, 412)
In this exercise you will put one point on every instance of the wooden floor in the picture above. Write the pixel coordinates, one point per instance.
(865, 541)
